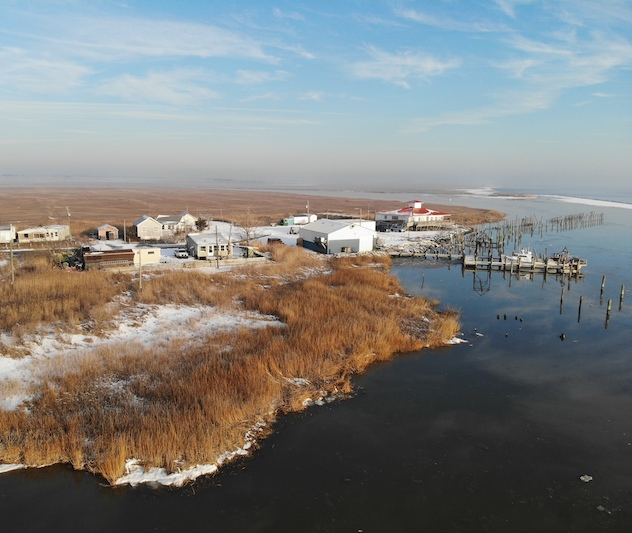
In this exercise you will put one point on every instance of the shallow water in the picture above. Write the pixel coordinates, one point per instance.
(489, 435)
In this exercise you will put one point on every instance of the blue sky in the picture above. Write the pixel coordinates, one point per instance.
(506, 93)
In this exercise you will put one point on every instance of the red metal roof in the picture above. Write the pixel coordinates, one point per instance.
(419, 211)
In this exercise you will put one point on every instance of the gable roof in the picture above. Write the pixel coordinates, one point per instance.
(145, 218)
(329, 226)
(175, 219)
(207, 238)
(414, 211)
(165, 219)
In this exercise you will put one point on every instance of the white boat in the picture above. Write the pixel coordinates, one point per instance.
(523, 257)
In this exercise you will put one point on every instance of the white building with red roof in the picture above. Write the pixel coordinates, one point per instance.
(414, 213)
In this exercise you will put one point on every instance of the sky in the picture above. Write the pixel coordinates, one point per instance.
(323, 93)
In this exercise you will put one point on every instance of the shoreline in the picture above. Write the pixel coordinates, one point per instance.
(66, 365)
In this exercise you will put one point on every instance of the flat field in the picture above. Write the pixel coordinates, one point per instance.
(92, 207)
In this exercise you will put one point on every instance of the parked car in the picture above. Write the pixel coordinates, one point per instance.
(181, 254)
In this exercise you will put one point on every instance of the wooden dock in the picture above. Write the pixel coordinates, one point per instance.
(558, 264)
(570, 266)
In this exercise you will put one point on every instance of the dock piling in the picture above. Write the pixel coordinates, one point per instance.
(579, 310)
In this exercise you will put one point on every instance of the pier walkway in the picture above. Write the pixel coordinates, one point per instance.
(553, 265)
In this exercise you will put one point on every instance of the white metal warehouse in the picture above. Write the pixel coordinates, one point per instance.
(336, 236)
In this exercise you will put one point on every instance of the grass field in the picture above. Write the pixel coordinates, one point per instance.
(173, 404)
(90, 208)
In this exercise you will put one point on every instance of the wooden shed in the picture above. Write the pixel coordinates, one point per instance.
(108, 259)
(107, 232)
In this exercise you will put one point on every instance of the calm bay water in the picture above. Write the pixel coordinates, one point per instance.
(489, 435)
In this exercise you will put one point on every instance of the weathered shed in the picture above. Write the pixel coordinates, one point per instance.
(107, 232)
(108, 259)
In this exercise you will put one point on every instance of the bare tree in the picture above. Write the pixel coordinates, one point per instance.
(248, 228)
(202, 223)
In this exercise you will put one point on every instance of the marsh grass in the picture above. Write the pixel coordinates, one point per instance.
(45, 294)
(177, 404)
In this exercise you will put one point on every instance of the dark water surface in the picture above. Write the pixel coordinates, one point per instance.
(489, 435)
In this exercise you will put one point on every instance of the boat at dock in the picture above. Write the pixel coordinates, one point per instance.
(565, 263)
(524, 261)
(521, 258)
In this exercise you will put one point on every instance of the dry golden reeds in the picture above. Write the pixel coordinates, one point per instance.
(45, 294)
(183, 404)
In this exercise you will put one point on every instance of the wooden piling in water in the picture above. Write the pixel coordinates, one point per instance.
(579, 310)
(609, 308)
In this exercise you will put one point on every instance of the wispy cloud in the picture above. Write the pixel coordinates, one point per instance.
(545, 67)
(297, 49)
(22, 71)
(449, 23)
(250, 77)
(377, 21)
(294, 15)
(315, 96)
(508, 7)
(401, 67)
(175, 87)
(531, 46)
(265, 96)
(115, 39)
(515, 103)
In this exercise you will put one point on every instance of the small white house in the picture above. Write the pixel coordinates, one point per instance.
(148, 228)
(414, 213)
(7, 234)
(337, 236)
(52, 233)
(176, 224)
(146, 255)
(299, 220)
(208, 246)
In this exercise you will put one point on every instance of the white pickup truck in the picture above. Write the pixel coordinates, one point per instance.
(181, 253)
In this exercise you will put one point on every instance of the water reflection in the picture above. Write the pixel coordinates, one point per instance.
(491, 435)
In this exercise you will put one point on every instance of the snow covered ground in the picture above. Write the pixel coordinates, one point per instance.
(144, 325)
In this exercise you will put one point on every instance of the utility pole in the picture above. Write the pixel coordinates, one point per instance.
(69, 232)
(11, 259)
(140, 269)
(216, 246)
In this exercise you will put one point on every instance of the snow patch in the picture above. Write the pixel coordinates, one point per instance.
(10, 467)
(456, 340)
(136, 473)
